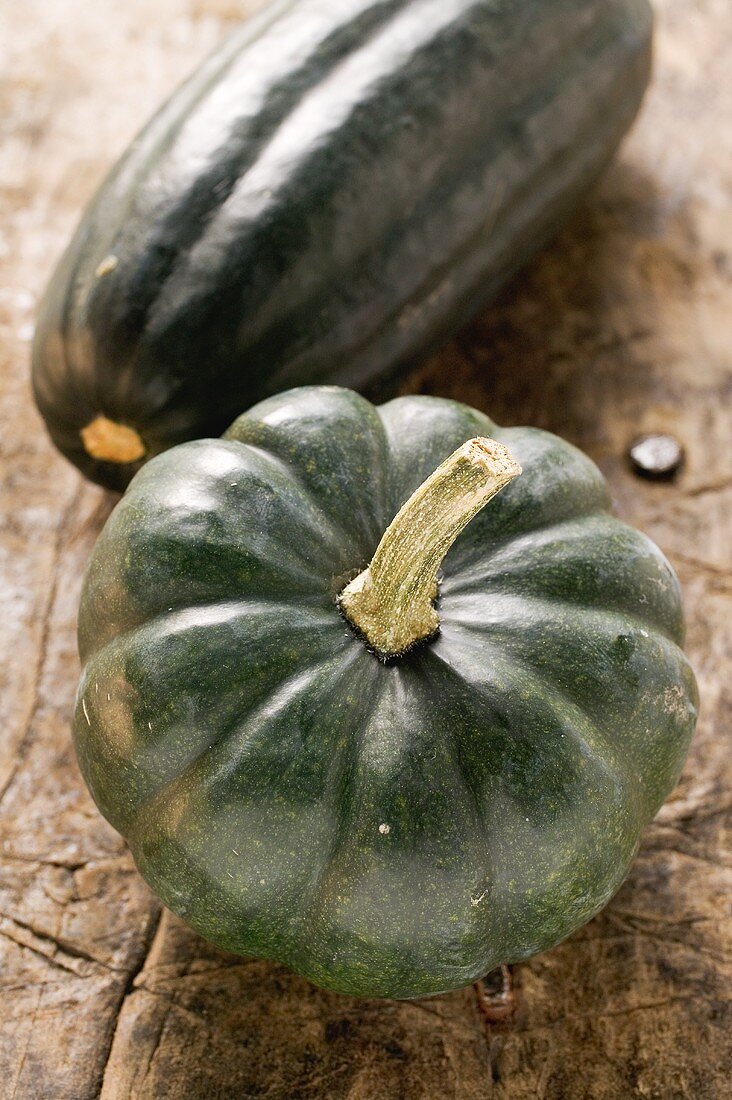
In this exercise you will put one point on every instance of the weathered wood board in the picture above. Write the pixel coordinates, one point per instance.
(623, 325)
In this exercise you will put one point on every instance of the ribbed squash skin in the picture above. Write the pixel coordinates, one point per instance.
(332, 193)
(386, 830)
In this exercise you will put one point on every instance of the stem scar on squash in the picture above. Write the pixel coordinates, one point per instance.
(108, 441)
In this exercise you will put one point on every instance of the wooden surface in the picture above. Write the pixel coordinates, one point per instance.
(621, 326)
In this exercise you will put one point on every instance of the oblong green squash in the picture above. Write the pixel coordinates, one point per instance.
(330, 195)
(389, 828)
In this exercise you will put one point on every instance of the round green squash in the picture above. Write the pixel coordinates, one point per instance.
(389, 819)
(330, 195)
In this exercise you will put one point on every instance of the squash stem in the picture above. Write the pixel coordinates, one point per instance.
(391, 603)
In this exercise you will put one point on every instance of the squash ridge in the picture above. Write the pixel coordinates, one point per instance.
(569, 714)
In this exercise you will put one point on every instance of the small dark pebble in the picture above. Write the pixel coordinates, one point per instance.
(656, 455)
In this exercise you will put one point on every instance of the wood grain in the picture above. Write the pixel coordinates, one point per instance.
(622, 326)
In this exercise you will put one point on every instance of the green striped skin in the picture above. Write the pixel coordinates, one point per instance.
(388, 830)
(335, 190)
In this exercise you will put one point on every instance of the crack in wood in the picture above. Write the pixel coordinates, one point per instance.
(64, 946)
(128, 989)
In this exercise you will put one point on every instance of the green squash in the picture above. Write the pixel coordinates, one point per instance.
(388, 817)
(330, 195)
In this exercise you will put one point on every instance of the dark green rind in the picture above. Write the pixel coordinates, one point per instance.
(249, 746)
(329, 196)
